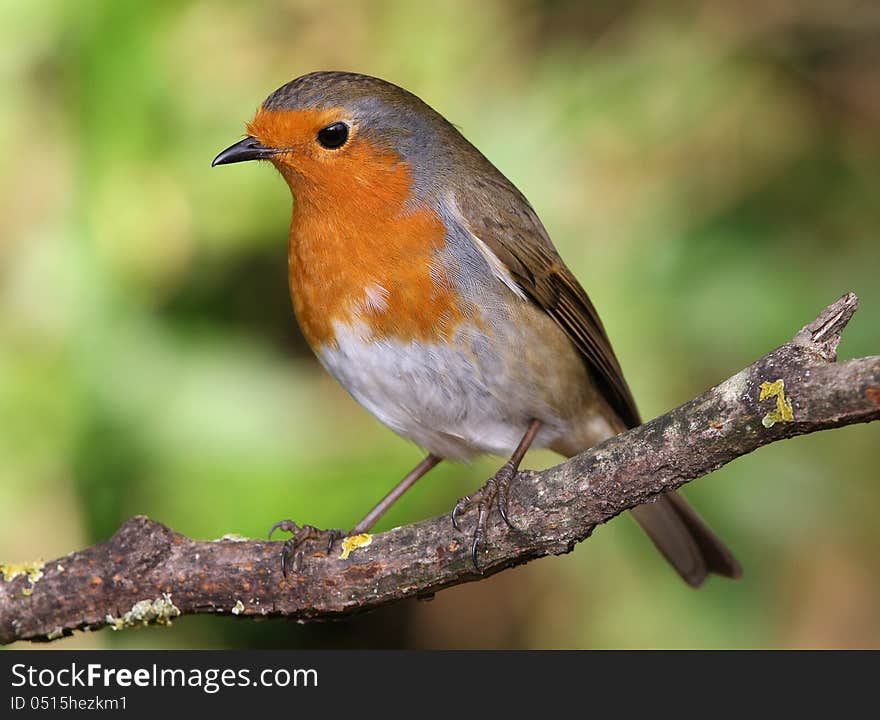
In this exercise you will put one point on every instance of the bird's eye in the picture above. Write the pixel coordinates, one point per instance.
(333, 136)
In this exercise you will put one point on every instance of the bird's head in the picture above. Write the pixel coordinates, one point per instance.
(338, 136)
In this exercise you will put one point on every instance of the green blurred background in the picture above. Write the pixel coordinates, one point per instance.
(710, 171)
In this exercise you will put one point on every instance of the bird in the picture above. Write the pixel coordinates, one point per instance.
(427, 286)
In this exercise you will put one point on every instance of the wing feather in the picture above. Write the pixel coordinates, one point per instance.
(515, 236)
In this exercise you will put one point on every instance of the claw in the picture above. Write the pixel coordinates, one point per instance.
(502, 510)
(284, 526)
(493, 493)
(503, 479)
(284, 560)
(301, 535)
(332, 537)
(291, 548)
(460, 506)
(480, 531)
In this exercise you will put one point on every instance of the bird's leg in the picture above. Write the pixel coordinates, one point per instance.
(494, 492)
(386, 502)
(293, 553)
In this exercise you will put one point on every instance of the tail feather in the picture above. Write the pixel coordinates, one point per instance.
(685, 540)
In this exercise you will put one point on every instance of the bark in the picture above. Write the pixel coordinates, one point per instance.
(147, 573)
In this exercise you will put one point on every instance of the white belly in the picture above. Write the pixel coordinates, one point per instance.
(455, 400)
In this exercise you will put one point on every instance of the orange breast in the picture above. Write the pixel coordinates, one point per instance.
(358, 253)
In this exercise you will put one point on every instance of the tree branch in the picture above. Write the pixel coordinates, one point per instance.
(149, 573)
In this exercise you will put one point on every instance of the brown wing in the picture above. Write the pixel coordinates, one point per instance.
(516, 236)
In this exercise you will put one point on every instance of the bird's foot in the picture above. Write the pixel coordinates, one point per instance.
(494, 492)
(294, 548)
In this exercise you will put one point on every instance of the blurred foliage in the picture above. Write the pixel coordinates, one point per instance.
(710, 171)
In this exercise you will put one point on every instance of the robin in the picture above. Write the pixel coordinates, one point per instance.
(427, 286)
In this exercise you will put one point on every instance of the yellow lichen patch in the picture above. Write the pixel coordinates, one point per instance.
(350, 544)
(783, 411)
(32, 570)
(146, 612)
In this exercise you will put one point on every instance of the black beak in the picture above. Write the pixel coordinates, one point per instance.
(248, 149)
